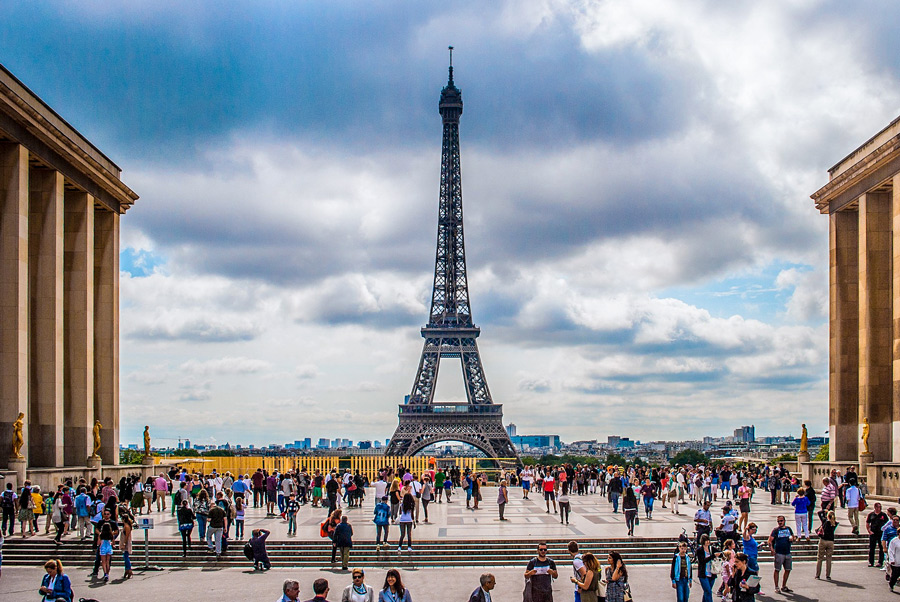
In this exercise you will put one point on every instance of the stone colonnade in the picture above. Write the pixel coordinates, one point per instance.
(862, 201)
(60, 204)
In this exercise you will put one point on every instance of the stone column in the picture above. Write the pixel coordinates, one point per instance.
(875, 322)
(843, 390)
(106, 332)
(895, 402)
(79, 332)
(13, 291)
(45, 275)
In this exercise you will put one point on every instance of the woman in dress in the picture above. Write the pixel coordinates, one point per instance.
(393, 590)
(616, 577)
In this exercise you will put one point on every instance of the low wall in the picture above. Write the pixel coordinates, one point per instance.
(882, 478)
(49, 478)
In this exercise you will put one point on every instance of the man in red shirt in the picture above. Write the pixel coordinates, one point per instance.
(549, 491)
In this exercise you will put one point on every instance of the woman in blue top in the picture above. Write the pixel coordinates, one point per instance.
(55, 586)
(393, 590)
(801, 513)
(751, 546)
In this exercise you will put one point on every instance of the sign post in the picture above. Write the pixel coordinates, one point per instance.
(146, 524)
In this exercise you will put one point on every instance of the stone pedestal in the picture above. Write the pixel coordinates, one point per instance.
(18, 465)
(94, 463)
(805, 466)
(147, 461)
(864, 460)
(803, 457)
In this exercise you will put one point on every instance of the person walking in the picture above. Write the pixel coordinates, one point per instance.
(540, 572)
(393, 589)
(502, 498)
(680, 573)
(382, 522)
(185, 517)
(56, 585)
(216, 529)
(851, 497)
(780, 544)
(741, 584)
(705, 575)
(894, 561)
(343, 541)
(825, 549)
(408, 506)
(811, 496)
(320, 589)
(483, 593)
(630, 506)
(358, 590)
(564, 504)
(874, 523)
(587, 587)
(616, 578)
(427, 495)
(743, 494)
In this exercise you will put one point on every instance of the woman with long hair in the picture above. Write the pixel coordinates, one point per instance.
(201, 510)
(106, 549)
(826, 544)
(616, 577)
(393, 590)
(589, 586)
(408, 507)
(395, 496)
(56, 585)
(502, 498)
(125, 541)
(185, 518)
(705, 555)
(630, 505)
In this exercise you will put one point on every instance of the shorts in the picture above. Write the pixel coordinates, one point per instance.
(745, 505)
(317, 492)
(549, 496)
(270, 496)
(783, 560)
(526, 485)
(106, 548)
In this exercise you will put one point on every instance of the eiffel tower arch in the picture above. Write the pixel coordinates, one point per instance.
(450, 332)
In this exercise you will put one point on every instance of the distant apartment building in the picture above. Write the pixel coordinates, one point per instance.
(511, 430)
(745, 434)
(523, 442)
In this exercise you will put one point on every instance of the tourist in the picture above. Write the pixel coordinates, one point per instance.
(751, 546)
(327, 529)
(126, 540)
(587, 587)
(320, 589)
(829, 494)
(290, 590)
(382, 522)
(395, 496)
(780, 545)
(448, 486)
(825, 549)
(408, 506)
(106, 549)
(549, 485)
(616, 577)
(439, 479)
(201, 510)
(680, 573)
(427, 494)
(26, 509)
(852, 497)
(874, 524)
(801, 513)
(105, 520)
(160, 491)
(343, 541)
(185, 517)
(502, 498)
(240, 508)
(727, 569)
(894, 559)
(648, 493)
(215, 529)
(59, 517)
(358, 590)
(577, 566)
(483, 592)
(743, 494)
(55, 585)
(8, 505)
(811, 496)
(475, 487)
(257, 543)
(291, 508)
(526, 476)
(740, 584)
(630, 506)
(541, 570)
(393, 589)
(705, 576)
(889, 531)
(614, 490)
(271, 493)
(564, 505)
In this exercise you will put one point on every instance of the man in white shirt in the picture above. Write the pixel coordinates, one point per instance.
(380, 488)
(852, 498)
(894, 561)
(703, 520)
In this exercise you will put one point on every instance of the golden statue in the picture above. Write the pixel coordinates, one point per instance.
(804, 440)
(146, 440)
(865, 435)
(18, 437)
(97, 427)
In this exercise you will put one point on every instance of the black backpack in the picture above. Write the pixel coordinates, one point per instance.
(6, 500)
(248, 551)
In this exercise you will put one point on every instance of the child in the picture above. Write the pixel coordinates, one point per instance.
(727, 572)
(448, 489)
(291, 509)
(239, 517)
(106, 539)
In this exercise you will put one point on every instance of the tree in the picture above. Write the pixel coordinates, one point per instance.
(131, 456)
(785, 458)
(616, 460)
(689, 456)
(822, 456)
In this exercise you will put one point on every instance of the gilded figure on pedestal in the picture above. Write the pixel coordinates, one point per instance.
(18, 437)
(97, 427)
(865, 435)
(804, 440)
(146, 441)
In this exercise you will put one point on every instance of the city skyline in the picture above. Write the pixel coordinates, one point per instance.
(644, 257)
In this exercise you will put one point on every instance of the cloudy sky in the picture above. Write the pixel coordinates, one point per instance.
(644, 257)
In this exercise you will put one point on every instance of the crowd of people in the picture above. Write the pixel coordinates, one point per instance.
(724, 546)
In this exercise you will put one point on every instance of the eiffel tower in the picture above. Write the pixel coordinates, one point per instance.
(450, 332)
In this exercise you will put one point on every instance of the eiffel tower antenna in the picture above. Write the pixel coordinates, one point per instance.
(450, 332)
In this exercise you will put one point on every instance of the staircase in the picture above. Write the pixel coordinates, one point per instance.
(425, 554)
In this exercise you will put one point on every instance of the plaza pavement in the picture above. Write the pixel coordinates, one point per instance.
(852, 581)
(591, 517)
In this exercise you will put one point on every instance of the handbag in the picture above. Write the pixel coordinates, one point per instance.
(628, 597)
(715, 566)
(527, 594)
(862, 504)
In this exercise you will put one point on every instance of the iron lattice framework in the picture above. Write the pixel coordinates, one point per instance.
(450, 332)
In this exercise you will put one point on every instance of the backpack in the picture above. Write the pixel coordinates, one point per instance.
(323, 529)
(248, 551)
(6, 500)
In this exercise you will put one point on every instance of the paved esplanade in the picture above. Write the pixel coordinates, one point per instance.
(592, 517)
(852, 581)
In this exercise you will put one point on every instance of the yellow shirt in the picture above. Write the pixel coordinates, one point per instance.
(38, 502)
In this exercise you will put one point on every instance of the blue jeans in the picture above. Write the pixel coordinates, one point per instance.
(682, 590)
(614, 498)
(201, 525)
(577, 595)
(280, 502)
(379, 529)
(292, 522)
(707, 584)
(648, 504)
(126, 558)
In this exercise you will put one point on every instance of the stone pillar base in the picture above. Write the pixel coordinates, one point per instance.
(864, 460)
(803, 457)
(94, 463)
(147, 461)
(805, 467)
(18, 465)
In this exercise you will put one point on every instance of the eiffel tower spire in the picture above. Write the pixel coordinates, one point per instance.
(450, 332)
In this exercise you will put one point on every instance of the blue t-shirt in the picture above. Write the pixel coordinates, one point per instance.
(888, 532)
(782, 540)
(751, 548)
(382, 514)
